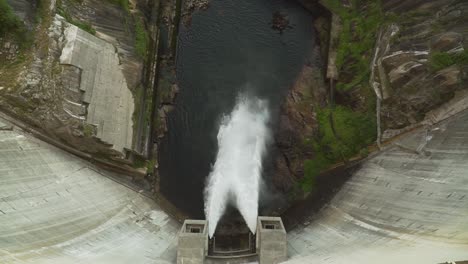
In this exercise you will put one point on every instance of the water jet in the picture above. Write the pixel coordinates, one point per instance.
(236, 175)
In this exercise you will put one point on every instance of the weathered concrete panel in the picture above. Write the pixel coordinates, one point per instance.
(405, 205)
(109, 102)
(57, 209)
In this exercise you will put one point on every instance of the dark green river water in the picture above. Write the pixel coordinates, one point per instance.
(228, 49)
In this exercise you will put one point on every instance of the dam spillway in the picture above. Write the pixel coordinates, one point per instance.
(404, 203)
(400, 206)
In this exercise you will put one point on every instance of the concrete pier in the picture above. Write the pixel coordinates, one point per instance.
(271, 240)
(193, 242)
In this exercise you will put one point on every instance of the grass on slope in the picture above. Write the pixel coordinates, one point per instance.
(354, 132)
(361, 22)
(11, 25)
(441, 60)
(141, 39)
(350, 131)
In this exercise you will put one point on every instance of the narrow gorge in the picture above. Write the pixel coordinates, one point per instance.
(120, 119)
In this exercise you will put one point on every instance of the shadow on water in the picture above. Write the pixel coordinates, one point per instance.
(326, 186)
(228, 49)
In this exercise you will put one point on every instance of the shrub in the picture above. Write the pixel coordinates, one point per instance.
(9, 22)
(312, 169)
(364, 152)
(150, 166)
(441, 60)
(360, 24)
(141, 39)
(354, 132)
(11, 25)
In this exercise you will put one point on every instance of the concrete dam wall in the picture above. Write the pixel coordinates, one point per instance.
(407, 204)
(55, 208)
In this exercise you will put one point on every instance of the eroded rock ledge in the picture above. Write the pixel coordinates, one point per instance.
(71, 87)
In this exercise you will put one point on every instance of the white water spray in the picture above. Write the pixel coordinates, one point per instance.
(236, 174)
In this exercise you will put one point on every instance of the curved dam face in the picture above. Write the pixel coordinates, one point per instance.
(407, 204)
(55, 208)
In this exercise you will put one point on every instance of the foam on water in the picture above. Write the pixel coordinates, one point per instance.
(236, 175)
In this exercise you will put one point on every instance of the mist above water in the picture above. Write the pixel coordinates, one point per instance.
(236, 175)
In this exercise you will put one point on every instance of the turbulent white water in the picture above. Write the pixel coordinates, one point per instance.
(236, 174)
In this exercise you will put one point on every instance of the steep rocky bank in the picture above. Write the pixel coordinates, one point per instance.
(97, 78)
(298, 122)
(70, 86)
(418, 76)
(415, 69)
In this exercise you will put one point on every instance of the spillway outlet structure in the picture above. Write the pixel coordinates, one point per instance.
(272, 245)
(268, 245)
(193, 242)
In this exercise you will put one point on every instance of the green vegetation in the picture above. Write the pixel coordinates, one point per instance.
(8, 20)
(361, 23)
(139, 161)
(148, 106)
(312, 169)
(441, 60)
(345, 132)
(61, 10)
(142, 95)
(88, 130)
(137, 98)
(13, 30)
(42, 13)
(364, 152)
(150, 166)
(11, 25)
(141, 39)
(354, 131)
(351, 133)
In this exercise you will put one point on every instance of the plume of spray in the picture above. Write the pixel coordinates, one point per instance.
(236, 175)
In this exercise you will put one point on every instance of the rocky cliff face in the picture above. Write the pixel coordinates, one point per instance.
(298, 116)
(70, 85)
(297, 124)
(114, 24)
(421, 66)
(419, 73)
